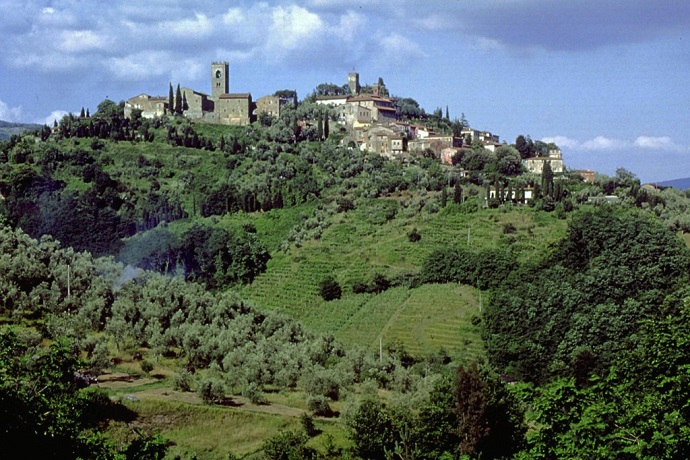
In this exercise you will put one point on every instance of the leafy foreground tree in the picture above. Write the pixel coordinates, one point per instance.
(44, 414)
(639, 410)
(474, 416)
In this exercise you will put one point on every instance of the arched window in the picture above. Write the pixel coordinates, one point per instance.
(218, 73)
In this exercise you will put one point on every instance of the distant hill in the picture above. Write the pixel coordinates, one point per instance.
(8, 129)
(680, 184)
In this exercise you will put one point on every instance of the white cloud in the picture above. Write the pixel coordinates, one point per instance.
(351, 26)
(659, 143)
(77, 41)
(603, 143)
(199, 27)
(398, 47)
(55, 115)
(294, 27)
(562, 142)
(8, 113)
(140, 66)
(234, 17)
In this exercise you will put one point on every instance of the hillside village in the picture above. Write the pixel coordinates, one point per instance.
(370, 120)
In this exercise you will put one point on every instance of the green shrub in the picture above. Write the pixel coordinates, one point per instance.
(319, 405)
(182, 381)
(413, 236)
(329, 289)
(146, 366)
(288, 445)
(308, 425)
(254, 394)
(211, 390)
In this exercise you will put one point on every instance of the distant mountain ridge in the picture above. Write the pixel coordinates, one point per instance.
(8, 129)
(680, 184)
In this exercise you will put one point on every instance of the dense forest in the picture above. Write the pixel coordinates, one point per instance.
(217, 264)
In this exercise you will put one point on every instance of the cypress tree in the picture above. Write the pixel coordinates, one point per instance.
(457, 193)
(178, 100)
(547, 179)
(444, 197)
(319, 123)
(447, 114)
(82, 114)
(185, 106)
(326, 128)
(171, 100)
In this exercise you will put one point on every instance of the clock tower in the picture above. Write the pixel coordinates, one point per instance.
(220, 79)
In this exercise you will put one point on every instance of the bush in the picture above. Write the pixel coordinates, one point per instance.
(329, 289)
(319, 405)
(182, 381)
(308, 425)
(359, 287)
(288, 445)
(414, 236)
(344, 204)
(146, 366)
(211, 390)
(254, 394)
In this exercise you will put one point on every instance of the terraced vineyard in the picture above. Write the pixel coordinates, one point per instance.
(356, 246)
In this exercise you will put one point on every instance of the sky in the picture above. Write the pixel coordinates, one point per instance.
(606, 80)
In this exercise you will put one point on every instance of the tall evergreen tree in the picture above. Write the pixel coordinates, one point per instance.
(447, 114)
(326, 128)
(547, 180)
(171, 99)
(457, 193)
(82, 114)
(178, 100)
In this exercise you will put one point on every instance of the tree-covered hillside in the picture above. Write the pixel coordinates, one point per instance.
(346, 304)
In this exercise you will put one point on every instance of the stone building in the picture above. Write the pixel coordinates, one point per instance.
(221, 107)
(536, 164)
(270, 105)
(150, 106)
(435, 143)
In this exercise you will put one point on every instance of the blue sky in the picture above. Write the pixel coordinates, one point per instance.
(607, 80)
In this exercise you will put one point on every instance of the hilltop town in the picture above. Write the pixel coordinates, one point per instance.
(368, 117)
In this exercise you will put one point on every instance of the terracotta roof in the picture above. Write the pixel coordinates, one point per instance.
(370, 97)
(325, 98)
(235, 96)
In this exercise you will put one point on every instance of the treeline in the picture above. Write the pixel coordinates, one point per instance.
(585, 326)
(203, 253)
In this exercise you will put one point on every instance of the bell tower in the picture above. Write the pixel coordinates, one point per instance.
(353, 83)
(220, 79)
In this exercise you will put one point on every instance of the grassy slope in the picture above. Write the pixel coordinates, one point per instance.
(354, 249)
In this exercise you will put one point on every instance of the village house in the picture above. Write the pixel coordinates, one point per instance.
(150, 106)
(270, 105)
(471, 135)
(435, 143)
(536, 164)
(389, 141)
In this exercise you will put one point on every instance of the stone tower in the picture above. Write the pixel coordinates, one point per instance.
(353, 83)
(220, 79)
